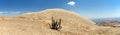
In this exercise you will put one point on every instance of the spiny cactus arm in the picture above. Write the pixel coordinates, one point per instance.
(50, 26)
(60, 24)
(53, 21)
(59, 21)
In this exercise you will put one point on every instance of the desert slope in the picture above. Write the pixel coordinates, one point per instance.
(38, 24)
(66, 16)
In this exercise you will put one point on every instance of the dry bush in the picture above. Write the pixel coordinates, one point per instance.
(55, 24)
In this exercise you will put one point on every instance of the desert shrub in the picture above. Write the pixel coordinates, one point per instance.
(56, 25)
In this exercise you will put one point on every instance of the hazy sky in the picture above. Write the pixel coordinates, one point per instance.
(86, 8)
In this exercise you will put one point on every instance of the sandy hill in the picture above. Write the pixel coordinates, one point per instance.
(68, 18)
(38, 24)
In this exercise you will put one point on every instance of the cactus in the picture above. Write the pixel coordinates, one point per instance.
(55, 24)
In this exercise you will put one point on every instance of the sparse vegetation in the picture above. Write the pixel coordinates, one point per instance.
(55, 24)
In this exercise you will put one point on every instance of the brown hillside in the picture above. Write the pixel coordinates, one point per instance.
(38, 24)
(68, 18)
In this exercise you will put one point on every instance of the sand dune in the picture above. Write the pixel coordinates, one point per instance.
(38, 24)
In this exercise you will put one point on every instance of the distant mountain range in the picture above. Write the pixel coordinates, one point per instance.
(112, 22)
(106, 19)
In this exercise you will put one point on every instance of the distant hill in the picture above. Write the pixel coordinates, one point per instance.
(104, 19)
(112, 22)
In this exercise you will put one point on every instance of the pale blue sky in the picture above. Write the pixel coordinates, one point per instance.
(86, 8)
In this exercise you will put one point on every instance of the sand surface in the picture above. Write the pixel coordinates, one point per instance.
(38, 24)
